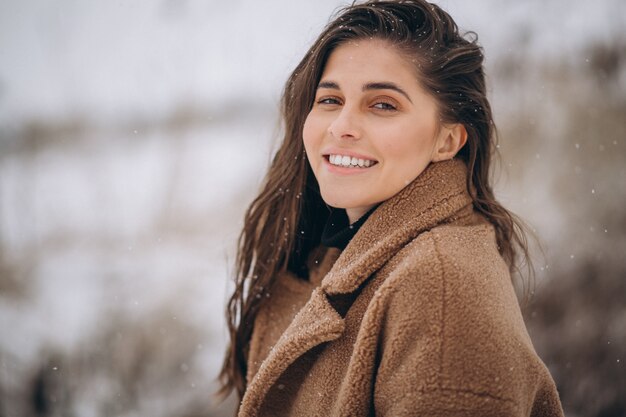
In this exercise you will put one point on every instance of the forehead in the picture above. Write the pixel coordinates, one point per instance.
(369, 59)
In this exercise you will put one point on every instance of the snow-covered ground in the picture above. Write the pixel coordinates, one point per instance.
(135, 224)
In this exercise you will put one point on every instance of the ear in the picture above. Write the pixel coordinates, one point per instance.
(451, 139)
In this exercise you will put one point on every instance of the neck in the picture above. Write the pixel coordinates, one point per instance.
(355, 214)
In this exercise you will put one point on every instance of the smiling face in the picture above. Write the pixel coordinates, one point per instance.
(372, 128)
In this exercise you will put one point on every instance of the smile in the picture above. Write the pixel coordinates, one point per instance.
(350, 162)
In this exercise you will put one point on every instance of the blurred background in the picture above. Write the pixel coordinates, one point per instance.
(133, 134)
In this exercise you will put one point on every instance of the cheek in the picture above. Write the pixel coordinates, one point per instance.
(404, 144)
(311, 136)
(409, 150)
(306, 131)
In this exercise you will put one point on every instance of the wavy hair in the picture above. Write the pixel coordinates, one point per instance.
(279, 229)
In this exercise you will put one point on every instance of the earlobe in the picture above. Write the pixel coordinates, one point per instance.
(451, 141)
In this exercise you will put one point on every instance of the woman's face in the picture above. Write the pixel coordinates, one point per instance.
(372, 129)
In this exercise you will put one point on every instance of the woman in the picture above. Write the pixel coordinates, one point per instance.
(373, 272)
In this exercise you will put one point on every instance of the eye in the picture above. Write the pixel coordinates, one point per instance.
(385, 106)
(329, 101)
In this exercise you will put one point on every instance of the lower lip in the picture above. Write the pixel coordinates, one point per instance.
(344, 170)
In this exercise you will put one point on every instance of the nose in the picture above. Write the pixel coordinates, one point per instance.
(346, 125)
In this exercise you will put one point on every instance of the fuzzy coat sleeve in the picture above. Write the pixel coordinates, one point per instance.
(454, 342)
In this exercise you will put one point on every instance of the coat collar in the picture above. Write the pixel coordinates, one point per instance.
(432, 198)
(436, 196)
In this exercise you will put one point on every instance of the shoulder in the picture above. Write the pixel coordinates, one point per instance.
(455, 275)
(451, 311)
(462, 260)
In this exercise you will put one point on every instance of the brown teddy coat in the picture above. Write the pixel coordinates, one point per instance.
(416, 317)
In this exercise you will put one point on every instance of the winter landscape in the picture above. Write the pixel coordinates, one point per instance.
(134, 134)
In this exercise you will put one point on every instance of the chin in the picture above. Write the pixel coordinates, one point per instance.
(343, 201)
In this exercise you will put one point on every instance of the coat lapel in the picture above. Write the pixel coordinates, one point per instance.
(438, 195)
(316, 323)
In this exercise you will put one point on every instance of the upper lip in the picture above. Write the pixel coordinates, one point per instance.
(345, 152)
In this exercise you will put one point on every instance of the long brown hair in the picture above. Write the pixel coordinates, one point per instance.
(284, 222)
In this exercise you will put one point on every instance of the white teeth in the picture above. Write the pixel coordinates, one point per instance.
(347, 161)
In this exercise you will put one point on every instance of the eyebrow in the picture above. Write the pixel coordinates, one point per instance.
(369, 86)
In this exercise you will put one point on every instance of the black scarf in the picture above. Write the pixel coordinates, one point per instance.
(338, 231)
